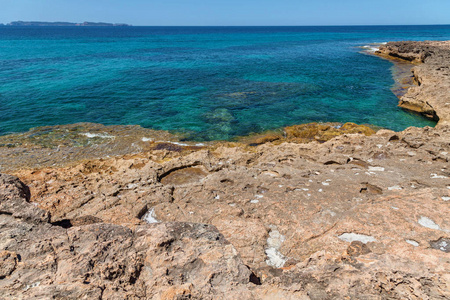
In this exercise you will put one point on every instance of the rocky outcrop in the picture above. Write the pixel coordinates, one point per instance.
(40, 260)
(355, 217)
(431, 96)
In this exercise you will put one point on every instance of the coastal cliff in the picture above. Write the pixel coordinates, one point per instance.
(318, 211)
(431, 96)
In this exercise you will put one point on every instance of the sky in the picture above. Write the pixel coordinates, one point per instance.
(230, 12)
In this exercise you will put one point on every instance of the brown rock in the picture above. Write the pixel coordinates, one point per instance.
(159, 261)
(430, 97)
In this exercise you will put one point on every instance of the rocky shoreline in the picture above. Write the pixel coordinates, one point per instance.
(318, 211)
(431, 96)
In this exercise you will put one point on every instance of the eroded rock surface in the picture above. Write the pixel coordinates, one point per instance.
(355, 216)
(431, 96)
(105, 261)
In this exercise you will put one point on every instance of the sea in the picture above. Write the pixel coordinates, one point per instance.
(206, 83)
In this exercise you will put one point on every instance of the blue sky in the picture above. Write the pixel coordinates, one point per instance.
(230, 12)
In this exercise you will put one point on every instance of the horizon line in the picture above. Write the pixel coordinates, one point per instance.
(329, 25)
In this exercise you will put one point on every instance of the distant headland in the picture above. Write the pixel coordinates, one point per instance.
(39, 23)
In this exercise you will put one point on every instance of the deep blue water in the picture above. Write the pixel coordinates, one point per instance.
(209, 82)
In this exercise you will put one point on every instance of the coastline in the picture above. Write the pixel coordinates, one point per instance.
(319, 211)
(430, 96)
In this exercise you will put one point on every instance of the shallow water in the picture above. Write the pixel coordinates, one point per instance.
(209, 83)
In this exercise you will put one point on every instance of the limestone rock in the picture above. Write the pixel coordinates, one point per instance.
(39, 260)
(432, 75)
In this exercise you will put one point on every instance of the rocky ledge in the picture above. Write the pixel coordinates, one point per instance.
(318, 212)
(431, 96)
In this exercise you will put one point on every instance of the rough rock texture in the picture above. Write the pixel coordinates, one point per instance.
(431, 97)
(39, 260)
(358, 216)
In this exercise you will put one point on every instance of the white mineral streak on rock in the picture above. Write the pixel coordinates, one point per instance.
(443, 245)
(414, 243)
(274, 241)
(376, 169)
(428, 223)
(150, 217)
(436, 176)
(33, 285)
(446, 198)
(352, 237)
(254, 201)
(179, 144)
(395, 187)
(144, 139)
(99, 135)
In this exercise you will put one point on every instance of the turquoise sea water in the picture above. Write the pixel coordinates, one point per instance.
(208, 82)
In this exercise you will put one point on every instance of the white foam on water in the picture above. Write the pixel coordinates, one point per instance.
(352, 237)
(428, 223)
(150, 217)
(274, 242)
(370, 48)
